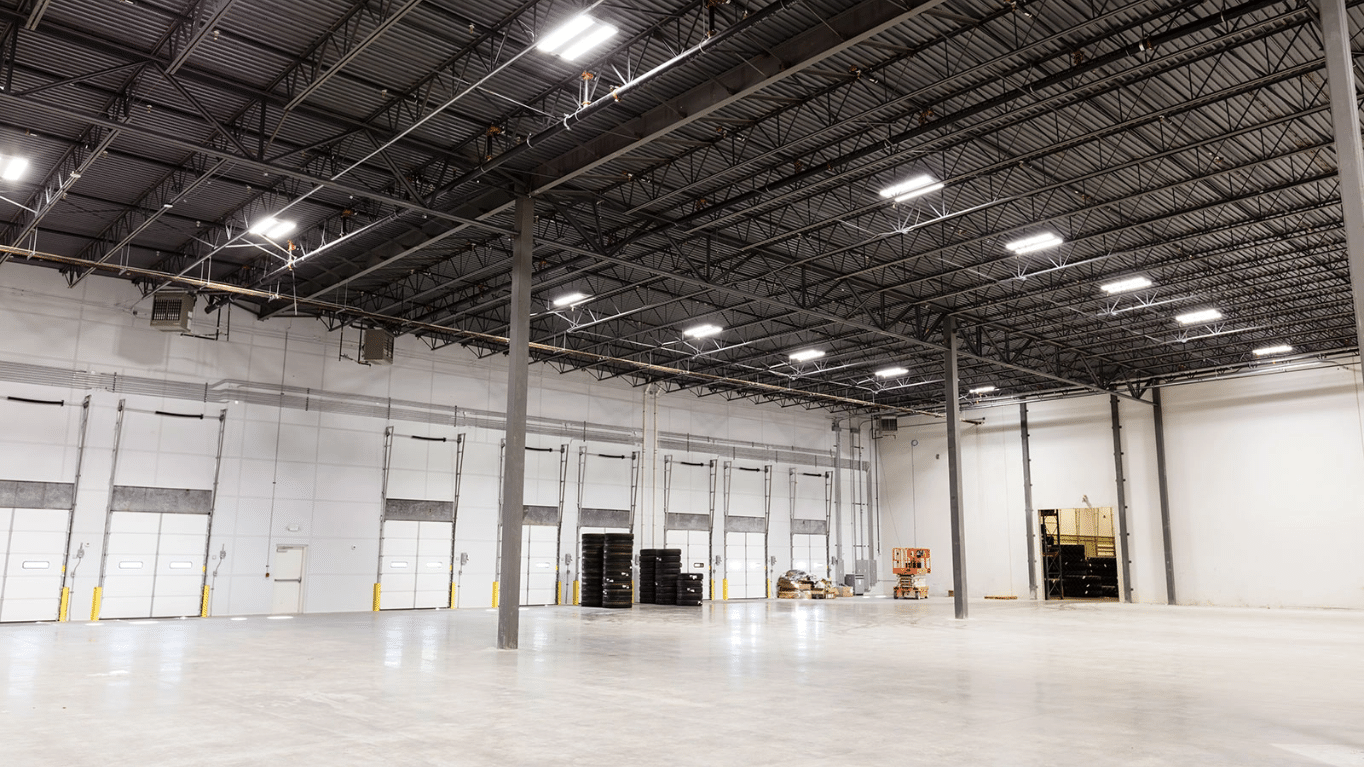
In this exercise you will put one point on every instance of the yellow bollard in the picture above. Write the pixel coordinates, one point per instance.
(767, 590)
(376, 598)
(452, 596)
(203, 603)
(712, 589)
(577, 596)
(66, 603)
(495, 594)
(725, 585)
(94, 603)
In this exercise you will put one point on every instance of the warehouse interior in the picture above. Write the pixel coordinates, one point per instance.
(945, 381)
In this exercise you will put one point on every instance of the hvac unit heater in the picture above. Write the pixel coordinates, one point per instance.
(376, 347)
(171, 311)
(890, 425)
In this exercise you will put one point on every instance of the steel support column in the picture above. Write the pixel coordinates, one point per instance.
(1029, 513)
(514, 469)
(1340, 80)
(953, 397)
(1124, 559)
(1159, 416)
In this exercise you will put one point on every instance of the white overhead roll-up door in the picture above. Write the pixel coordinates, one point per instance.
(689, 515)
(811, 503)
(416, 537)
(543, 504)
(748, 495)
(415, 563)
(32, 555)
(156, 530)
(154, 564)
(539, 549)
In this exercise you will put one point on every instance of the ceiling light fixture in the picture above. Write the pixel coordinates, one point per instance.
(577, 36)
(14, 168)
(1268, 350)
(569, 300)
(702, 331)
(805, 355)
(1202, 315)
(891, 372)
(1125, 285)
(982, 390)
(1034, 243)
(273, 228)
(912, 188)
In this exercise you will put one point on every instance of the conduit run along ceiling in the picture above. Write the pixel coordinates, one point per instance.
(822, 176)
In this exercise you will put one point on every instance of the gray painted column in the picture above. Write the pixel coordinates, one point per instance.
(514, 469)
(953, 397)
(1124, 560)
(1028, 510)
(1159, 414)
(1340, 81)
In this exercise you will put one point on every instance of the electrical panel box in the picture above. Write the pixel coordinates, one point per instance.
(376, 347)
(172, 311)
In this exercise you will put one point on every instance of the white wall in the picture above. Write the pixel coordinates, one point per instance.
(1266, 478)
(320, 473)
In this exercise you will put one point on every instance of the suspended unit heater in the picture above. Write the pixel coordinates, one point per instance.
(376, 347)
(171, 311)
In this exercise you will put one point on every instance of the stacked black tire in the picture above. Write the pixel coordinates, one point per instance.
(617, 577)
(669, 568)
(592, 573)
(648, 576)
(689, 587)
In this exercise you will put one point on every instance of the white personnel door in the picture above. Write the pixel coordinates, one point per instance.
(31, 560)
(415, 565)
(745, 566)
(154, 566)
(811, 554)
(539, 547)
(287, 595)
(695, 546)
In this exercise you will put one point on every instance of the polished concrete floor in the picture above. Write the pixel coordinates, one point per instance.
(847, 682)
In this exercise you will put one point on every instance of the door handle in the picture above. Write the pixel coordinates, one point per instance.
(288, 580)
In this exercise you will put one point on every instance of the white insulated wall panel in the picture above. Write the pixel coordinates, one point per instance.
(38, 442)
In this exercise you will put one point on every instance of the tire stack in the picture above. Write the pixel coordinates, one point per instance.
(669, 568)
(648, 576)
(617, 584)
(592, 570)
(689, 587)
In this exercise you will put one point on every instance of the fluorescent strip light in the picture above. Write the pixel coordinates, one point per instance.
(806, 355)
(1202, 315)
(597, 36)
(981, 390)
(912, 188)
(570, 299)
(1123, 286)
(1035, 243)
(264, 226)
(702, 331)
(14, 169)
(282, 230)
(1268, 350)
(891, 372)
(570, 29)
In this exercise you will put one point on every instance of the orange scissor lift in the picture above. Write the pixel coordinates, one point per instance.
(911, 567)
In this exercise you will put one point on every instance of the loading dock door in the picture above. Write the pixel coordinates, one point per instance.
(695, 546)
(745, 558)
(748, 507)
(811, 505)
(539, 579)
(154, 564)
(32, 542)
(415, 564)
